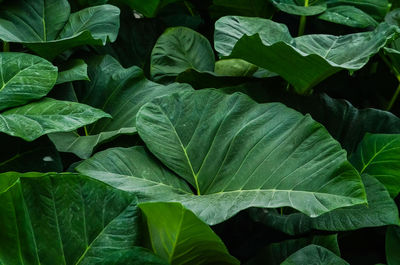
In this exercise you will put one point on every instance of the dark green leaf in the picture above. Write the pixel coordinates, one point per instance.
(378, 155)
(375, 8)
(178, 236)
(48, 28)
(46, 116)
(179, 49)
(349, 16)
(24, 77)
(314, 255)
(393, 245)
(303, 61)
(68, 219)
(74, 70)
(298, 7)
(148, 8)
(380, 211)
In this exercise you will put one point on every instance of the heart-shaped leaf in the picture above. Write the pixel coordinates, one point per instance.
(177, 235)
(179, 49)
(301, 7)
(48, 28)
(24, 78)
(314, 254)
(303, 61)
(289, 158)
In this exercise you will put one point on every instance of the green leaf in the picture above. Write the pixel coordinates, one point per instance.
(380, 211)
(378, 155)
(74, 70)
(296, 7)
(303, 61)
(179, 49)
(68, 219)
(201, 136)
(276, 253)
(48, 28)
(24, 78)
(149, 8)
(393, 245)
(349, 16)
(178, 236)
(314, 255)
(375, 8)
(83, 146)
(46, 116)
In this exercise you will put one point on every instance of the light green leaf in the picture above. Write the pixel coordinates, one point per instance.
(298, 7)
(349, 16)
(303, 61)
(314, 254)
(179, 49)
(23, 78)
(201, 136)
(393, 245)
(177, 235)
(46, 116)
(380, 211)
(68, 219)
(83, 146)
(378, 155)
(48, 28)
(74, 70)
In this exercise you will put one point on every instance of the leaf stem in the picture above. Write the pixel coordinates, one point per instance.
(6, 46)
(395, 96)
(86, 132)
(189, 8)
(303, 21)
(397, 74)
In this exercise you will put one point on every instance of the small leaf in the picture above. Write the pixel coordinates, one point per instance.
(295, 7)
(75, 70)
(46, 116)
(178, 236)
(378, 155)
(314, 254)
(349, 16)
(24, 78)
(179, 49)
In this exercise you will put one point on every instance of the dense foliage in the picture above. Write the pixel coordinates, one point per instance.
(199, 132)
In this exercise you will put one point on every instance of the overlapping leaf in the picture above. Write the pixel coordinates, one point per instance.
(48, 28)
(23, 78)
(314, 255)
(68, 219)
(177, 235)
(46, 116)
(211, 149)
(303, 61)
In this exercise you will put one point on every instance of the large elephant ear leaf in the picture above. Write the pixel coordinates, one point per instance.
(239, 154)
(303, 61)
(23, 78)
(314, 254)
(179, 49)
(68, 219)
(378, 155)
(177, 235)
(48, 28)
(31, 121)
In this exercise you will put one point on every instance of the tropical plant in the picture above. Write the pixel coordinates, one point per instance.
(199, 132)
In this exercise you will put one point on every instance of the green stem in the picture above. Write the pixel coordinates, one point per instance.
(86, 132)
(303, 21)
(189, 8)
(394, 98)
(6, 46)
